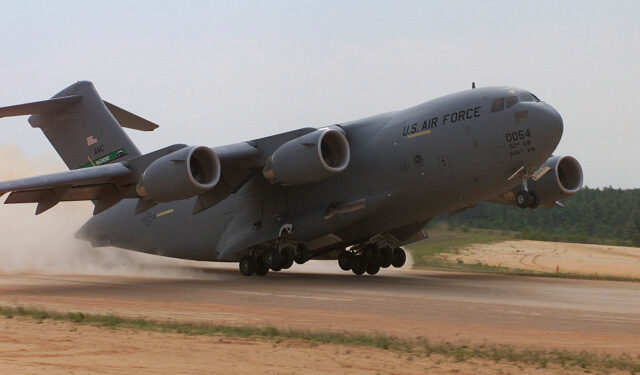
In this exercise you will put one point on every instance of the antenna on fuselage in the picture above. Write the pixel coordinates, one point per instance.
(473, 85)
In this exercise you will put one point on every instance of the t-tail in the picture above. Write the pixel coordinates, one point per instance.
(85, 130)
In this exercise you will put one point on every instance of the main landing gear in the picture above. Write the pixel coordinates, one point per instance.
(371, 258)
(274, 259)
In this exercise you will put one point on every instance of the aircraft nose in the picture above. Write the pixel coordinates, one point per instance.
(555, 122)
(552, 125)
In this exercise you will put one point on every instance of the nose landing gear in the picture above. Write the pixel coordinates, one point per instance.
(527, 199)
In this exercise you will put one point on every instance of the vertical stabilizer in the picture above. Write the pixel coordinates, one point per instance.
(81, 128)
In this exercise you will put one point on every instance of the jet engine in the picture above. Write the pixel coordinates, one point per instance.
(181, 174)
(560, 177)
(310, 158)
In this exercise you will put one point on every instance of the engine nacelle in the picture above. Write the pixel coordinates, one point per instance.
(310, 158)
(562, 179)
(180, 175)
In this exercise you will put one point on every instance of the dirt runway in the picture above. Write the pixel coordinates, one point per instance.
(585, 259)
(589, 315)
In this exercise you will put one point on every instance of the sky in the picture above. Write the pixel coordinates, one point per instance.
(215, 73)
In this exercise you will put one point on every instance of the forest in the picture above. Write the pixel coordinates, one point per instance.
(603, 216)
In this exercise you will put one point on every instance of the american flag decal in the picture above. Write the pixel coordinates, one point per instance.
(91, 140)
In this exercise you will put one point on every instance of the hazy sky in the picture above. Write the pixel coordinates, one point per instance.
(216, 73)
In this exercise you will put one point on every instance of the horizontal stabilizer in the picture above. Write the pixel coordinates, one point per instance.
(41, 107)
(61, 104)
(129, 120)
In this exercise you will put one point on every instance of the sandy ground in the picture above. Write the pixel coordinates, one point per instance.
(551, 256)
(578, 315)
(28, 347)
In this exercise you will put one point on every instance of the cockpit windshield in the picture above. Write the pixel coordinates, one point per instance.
(499, 104)
(528, 97)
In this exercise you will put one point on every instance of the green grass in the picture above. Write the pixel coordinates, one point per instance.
(449, 239)
(413, 347)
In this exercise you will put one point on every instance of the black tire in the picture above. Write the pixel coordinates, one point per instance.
(247, 265)
(386, 256)
(534, 201)
(372, 253)
(301, 255)
(287, 260)
(523, 199)
(373, 268)
(399, 257)
(359, 265)
(260, 268)
(272, 258)
(345, 260)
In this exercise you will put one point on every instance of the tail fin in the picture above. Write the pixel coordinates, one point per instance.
(85, 130)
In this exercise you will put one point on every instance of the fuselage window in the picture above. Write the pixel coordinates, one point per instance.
(498, 105)
(511, 100)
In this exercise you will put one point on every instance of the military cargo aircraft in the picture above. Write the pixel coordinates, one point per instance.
(355, 192)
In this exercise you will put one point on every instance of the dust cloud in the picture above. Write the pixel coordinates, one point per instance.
(45, 244)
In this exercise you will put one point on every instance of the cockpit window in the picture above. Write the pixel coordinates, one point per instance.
(528, 97)
(511, 100)
(498, 105)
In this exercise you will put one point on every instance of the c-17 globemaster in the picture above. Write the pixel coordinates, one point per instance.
(355, 191)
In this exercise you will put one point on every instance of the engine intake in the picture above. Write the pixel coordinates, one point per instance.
(563, 178)
(310, 158)
(180, 175)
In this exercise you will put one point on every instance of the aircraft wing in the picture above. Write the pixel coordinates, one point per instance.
(107, 184)
(93, 183)
(239, 162)
(77, 113)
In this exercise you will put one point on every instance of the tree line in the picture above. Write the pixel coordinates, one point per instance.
(606, 216)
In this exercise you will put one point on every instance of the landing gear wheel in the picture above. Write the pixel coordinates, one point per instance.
(277, 267)
(359, 265)
(398, 258)
(260, 268)
(373, 268)
(287, 260)
(386, 256)
(523, 199)
(345, 260)
(272, 258)
(372, 253)
(247, 265)
(301, 255)
(534, 202)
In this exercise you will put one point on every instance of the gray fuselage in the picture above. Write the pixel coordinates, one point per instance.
(406, 167)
